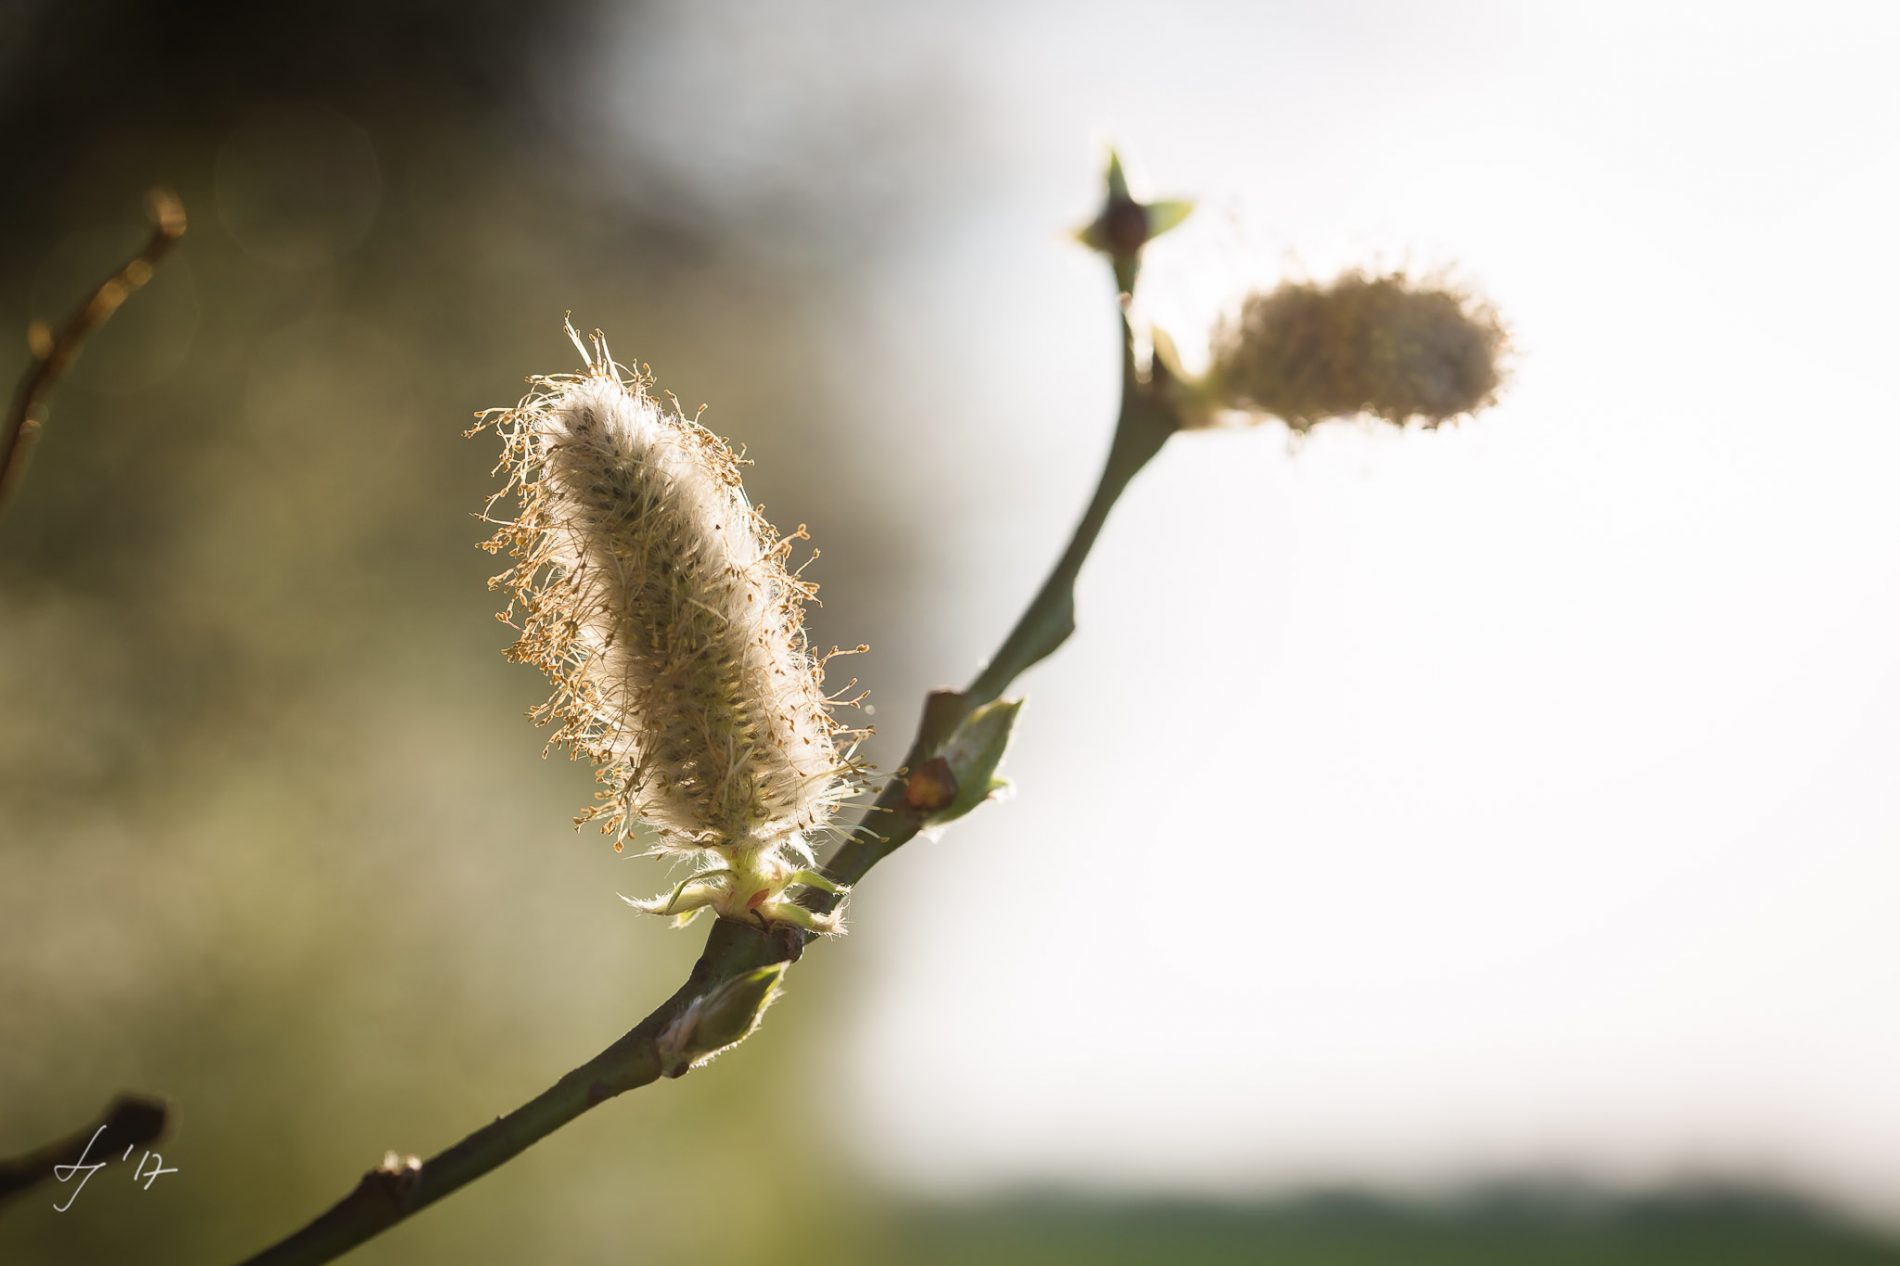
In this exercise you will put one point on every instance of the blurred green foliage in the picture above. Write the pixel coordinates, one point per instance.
(1558, 1226)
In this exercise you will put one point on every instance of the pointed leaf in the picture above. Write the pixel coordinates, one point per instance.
(1167, 214)
(1117, 180)
(1094, 234)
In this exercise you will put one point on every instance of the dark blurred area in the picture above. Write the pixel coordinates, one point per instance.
(272, 840)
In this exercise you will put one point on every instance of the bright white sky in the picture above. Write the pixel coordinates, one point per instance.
(1413, 807)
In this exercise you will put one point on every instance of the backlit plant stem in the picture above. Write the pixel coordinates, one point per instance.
(402, 1186)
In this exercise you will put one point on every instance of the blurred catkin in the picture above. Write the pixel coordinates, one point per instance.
(657, 601)
(1378, 345)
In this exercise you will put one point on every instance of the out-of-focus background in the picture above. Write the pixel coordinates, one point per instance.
(1474, 846)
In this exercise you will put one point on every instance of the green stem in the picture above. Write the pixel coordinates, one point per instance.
(1050, 618)
(387, 1196)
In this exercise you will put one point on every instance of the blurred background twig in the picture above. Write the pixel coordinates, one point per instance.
(129, 1121)
(53, 351)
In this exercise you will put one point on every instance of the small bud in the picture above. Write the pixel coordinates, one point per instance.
(1125, 225)
(969, 759)
(931, 786)
(718, 1020)
(397, 1175)
(1382, 346)
(399, 1163)
(167, 212)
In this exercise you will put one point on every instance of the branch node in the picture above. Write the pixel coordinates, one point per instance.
(53, 354)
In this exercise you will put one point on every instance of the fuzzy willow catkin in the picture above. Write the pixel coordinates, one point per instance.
(1385, 346)
(658, 602)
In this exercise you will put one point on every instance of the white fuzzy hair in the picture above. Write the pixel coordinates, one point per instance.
(658, 602)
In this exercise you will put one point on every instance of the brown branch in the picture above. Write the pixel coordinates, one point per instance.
(54, 354)
(128, 1121)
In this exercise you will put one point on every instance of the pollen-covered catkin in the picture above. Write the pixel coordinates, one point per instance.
(1379, 345)
(657, 600)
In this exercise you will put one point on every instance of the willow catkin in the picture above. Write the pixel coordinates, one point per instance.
(1379, 345)
(657, 601)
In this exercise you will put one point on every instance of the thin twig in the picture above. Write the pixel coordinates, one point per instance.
(128, 1121)
(54, 355)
